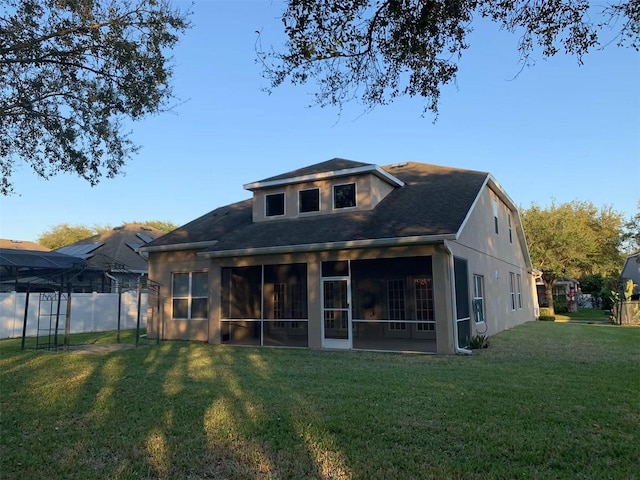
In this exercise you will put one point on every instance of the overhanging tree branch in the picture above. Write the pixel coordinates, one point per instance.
(71, 72)
(376, 50)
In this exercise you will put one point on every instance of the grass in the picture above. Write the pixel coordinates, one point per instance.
(544, 401)
(584, 315)
(79, 339)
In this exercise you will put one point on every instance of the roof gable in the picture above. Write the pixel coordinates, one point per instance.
(337, 167)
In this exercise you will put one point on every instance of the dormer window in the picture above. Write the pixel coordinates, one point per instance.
(274, 204)
(309, 200)
(344, 196)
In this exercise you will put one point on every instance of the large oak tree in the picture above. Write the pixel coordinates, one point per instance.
(574, 239)
(73, 73)
(376, 50)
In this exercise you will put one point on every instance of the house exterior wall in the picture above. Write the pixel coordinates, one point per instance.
(164, 264)
(496, 256)
(159, 322)
(370, 190)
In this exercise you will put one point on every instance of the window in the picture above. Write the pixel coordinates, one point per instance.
(298, 300)
(426, 327)
(424, 298)
(397, 326)
(424, 303)
(190, 295)
(518, 278)
(289, 300)
(510, 230)
(512, 286)
(478, 298)
(309, 200)
(275, 204)
(285, 291)
(396, 308)
(279, 300)
(344, 196)
(495, 213)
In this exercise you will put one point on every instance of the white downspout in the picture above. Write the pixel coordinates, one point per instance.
(452, 281)
(108, 275)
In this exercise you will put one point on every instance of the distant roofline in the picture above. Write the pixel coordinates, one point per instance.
(374, 169)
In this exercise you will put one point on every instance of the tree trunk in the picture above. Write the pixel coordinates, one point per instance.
(548, 290)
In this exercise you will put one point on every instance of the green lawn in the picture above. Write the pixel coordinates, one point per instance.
(584, 315)
(544, 401)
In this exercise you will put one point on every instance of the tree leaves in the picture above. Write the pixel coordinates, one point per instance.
(374, 51)
(65, 234)
(73, 72)
(574, 239)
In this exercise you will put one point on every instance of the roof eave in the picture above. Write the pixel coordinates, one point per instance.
(346, 245)
(374, 169)
(172, 247)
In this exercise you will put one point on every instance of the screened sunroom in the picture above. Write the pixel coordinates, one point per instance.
(375, 304)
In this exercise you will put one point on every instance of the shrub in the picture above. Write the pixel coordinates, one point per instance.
(478, 341)
(547, 318)
(545, 311)
(560, 304)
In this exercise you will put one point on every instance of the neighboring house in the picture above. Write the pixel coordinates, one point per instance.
(112, 258)
(348, 255)
(22, 245)
(566, 288)
(631, 271)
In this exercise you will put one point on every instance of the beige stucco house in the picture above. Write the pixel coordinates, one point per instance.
(349, 255)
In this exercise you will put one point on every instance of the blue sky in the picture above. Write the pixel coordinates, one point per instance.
(556, 131)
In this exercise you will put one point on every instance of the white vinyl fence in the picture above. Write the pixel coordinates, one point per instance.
(90, 312)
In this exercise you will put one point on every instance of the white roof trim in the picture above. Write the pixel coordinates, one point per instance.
(346, 245)
(492, 184)
(178, 246)
(374, 169)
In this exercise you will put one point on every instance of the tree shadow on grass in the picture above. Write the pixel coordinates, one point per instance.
(177, 410)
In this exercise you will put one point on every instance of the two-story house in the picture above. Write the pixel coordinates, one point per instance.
(348, 255)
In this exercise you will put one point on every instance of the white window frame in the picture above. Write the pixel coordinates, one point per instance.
(284, 204)
(189, 296)
(512, 287)
(478, 297)
(319, 201)
(279, 301)
(355, 195)
(397, 323)
(424, 325)
(495, 214)
(519, 287)
(510, 229)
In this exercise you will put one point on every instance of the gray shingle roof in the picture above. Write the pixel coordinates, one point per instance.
(114, 248)
(333, 165)
(434, 201)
